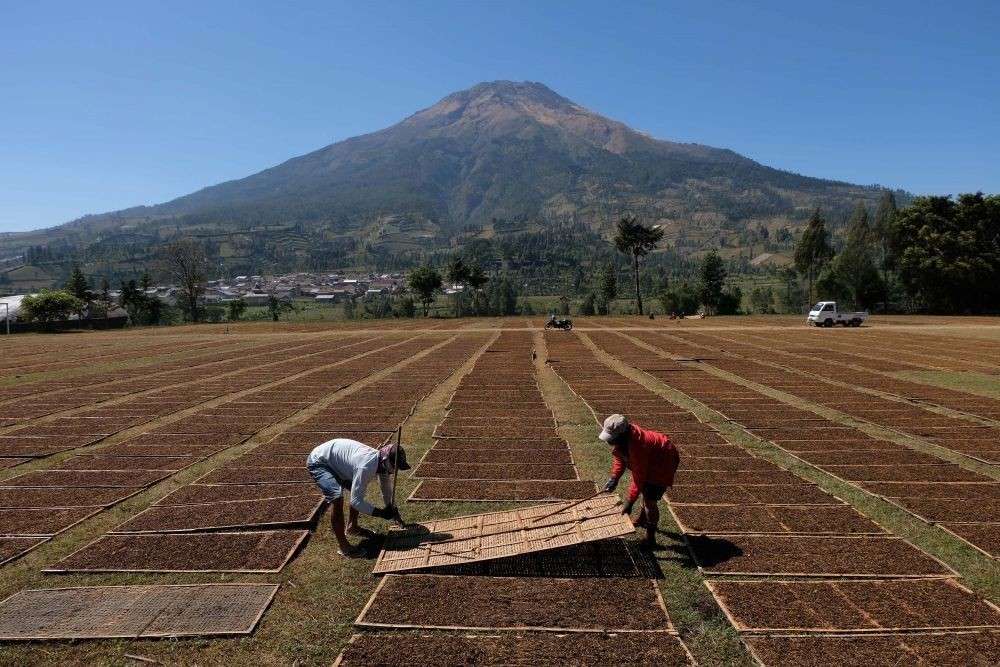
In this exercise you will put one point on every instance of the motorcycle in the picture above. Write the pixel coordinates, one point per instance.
(565, 324)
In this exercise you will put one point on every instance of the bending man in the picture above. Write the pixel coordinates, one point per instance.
(342, 463)
(652, 460)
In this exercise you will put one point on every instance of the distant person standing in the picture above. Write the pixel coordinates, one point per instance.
(343, 463)
(651, 459)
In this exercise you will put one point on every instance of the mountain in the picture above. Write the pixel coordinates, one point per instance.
(499, 153)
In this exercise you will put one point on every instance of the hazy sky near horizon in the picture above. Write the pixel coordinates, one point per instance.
(114, 104)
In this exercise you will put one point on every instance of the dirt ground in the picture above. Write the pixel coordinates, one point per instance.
(166, 416)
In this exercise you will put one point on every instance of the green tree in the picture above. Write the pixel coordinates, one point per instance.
(762, 300)
(609, 286)
(214, 313)
(587, 305)
(457, 274)
(502, 297)
(859, 231)
(405, 306)
(105, 296)
(131, 299)
(882, 225)
(853, 276)
(635, 239)
(730, 300)
(350, 308)
(793, 294)
(187, 264)
(50, 306)
(882, 222)
(508, 297)
(763, 234)
(832, 285)
(236, 309)
(378, 306)
(477, 279)
(155, 311)
(276, 306)
(425, 281)
(711, 279)
(679, 299)
(77, 285)
(947, 252)
(601, 307)
(563, 305)
(813, 250)
(142, 308)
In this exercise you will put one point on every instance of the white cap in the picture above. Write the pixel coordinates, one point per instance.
(614, 426)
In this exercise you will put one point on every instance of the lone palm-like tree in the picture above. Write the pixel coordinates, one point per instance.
(635, 239)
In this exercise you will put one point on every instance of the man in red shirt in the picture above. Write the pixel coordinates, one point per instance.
(652, 460)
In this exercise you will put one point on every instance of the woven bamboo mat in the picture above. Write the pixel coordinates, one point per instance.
(482, 537)
(103, 612)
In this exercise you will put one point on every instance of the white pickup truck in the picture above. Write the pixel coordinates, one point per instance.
(826, 314)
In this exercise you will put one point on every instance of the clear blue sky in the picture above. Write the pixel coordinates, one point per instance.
(112, 104)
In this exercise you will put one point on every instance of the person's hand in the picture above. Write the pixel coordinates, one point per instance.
(611, 485)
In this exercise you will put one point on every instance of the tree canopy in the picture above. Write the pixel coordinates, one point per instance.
(236, 308)
(711, 280)
(853, 276)
(457, 272)
(813, 249)
(186, 262)
(947, 252)
(276, 306)
(77, 285)
(477, 277)
(425, 281)
(142, 308)
(50, 306)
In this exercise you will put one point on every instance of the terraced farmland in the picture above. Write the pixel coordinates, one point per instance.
(837, 499)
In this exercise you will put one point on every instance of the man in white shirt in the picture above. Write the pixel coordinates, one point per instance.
(342, 463)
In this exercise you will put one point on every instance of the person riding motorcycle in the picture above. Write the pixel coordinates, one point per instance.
(559, 323)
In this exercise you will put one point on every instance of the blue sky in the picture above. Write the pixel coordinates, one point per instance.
(108, 105)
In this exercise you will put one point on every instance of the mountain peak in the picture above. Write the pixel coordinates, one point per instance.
(507, 150)
(496, 105)
(491, 95)
(510, 91)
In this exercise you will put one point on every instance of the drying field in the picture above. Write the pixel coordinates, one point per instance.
(838, 499)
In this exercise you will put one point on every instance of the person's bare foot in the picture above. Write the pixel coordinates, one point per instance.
(360, 532)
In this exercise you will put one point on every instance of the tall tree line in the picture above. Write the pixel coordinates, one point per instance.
(939, 254)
